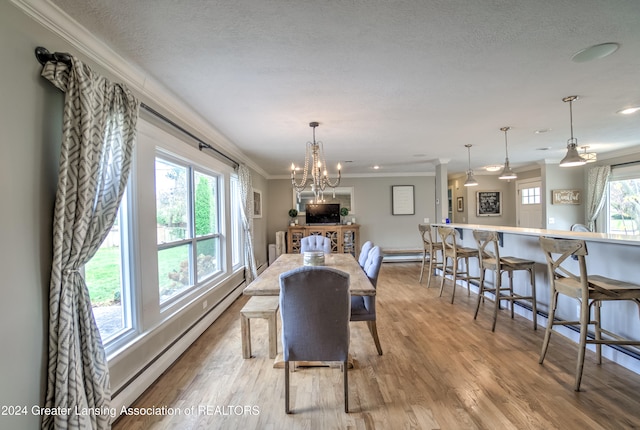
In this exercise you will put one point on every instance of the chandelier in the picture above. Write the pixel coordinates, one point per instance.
(315, 171)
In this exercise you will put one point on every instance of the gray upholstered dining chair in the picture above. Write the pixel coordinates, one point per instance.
(315, 242)
(363, 308)
(314, 309)
(364, 253)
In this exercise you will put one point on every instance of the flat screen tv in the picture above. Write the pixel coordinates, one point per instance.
(323, 213)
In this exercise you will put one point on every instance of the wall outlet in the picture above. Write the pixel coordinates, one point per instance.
(426, 220)
(552, 220)
(204, 305)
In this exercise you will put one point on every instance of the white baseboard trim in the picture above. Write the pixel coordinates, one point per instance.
(128, 395)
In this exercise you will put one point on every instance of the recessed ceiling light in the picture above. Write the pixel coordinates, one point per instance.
(544, 148)
(493, 167)
(629, 111)
(376, 167)
(542, 130)
(419, 155)
(595, 52)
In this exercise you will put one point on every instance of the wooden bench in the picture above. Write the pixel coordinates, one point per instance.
(260, 307)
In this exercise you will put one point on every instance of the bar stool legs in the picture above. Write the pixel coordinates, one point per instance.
(489, 255)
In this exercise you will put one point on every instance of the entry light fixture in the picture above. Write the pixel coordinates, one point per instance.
(471, 181)
(507, 173)
(572, 158)
(315, 170)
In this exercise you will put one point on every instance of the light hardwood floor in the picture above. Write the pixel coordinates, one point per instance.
(440, 370)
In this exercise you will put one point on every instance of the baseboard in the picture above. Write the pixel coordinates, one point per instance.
(148, 376)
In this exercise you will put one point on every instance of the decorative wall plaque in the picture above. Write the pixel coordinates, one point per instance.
(566, 197)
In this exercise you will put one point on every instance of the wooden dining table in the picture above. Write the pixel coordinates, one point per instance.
(268, 282)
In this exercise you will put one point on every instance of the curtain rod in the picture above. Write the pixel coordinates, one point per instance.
(43, 55)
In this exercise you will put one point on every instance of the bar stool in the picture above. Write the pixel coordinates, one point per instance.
(589, 290)
(454, 253)
(260, 307)
(431, 248)
(490, 260)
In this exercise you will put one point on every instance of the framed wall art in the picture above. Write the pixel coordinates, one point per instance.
(402, 200)
(488, 203)
(460, 204)
(257, 204)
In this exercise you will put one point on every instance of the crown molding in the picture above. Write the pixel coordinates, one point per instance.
(146, 88)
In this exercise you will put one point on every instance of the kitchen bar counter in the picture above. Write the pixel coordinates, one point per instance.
(613, 256)
(537, 232)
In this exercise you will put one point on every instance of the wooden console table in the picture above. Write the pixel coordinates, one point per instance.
(344, 238)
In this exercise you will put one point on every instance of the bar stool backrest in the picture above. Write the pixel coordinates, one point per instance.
(488, 249)
(448, 238)
(563, 249)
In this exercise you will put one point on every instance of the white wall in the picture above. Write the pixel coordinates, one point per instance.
(562, 178)
(31, 112)
(31, 129)
(485, 183)
(373, 209)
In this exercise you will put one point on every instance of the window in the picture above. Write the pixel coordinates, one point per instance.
(188, 227)
(530, 196)
(108, 281)
(623, 215)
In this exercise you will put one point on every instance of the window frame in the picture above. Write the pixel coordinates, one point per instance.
(618, 173)
(192, 239)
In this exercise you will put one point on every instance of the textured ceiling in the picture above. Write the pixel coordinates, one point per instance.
(397, 84)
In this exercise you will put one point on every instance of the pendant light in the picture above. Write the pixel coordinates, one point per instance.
(471, 181)
(572, 158)
(507, 173)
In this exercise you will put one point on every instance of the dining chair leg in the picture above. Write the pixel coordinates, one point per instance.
(584, 325)
(286, 387)
(424, 257)
(373, 329)
(345, 367)
(547, 333)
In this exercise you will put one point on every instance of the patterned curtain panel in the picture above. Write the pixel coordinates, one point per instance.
(597, 179)
(246, 196)
(97, 144)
